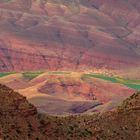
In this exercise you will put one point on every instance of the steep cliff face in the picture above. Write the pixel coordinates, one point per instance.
(69, 34)
(18, 118)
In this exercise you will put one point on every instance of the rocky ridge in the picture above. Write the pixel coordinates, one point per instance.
(19, 120)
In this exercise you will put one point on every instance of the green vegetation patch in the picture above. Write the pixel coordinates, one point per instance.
(31, 75)
(6, 73)
(100, 77)
(134, 84)
(58, 72)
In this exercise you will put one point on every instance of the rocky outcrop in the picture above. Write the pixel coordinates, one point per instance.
(69, 35)
(77, 87)
(19, 120)
(69, 89)
(68, 92)
(18, 102)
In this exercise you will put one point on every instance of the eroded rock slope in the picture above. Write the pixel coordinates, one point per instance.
(76, 34)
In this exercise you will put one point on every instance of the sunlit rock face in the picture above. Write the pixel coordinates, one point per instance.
(74, 34)
(72, 93)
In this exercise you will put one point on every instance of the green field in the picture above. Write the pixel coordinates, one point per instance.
(28, 75)
(31, 75)
(59, 72)
(6, 74)
(134, 84)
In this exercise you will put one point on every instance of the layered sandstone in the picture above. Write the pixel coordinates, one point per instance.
(69, 35)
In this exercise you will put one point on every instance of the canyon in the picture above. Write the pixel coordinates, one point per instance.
(79, 37)
(69, 35)
(65, 93)
(69, 69)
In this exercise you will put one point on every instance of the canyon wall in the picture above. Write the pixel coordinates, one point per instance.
(38, 35)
